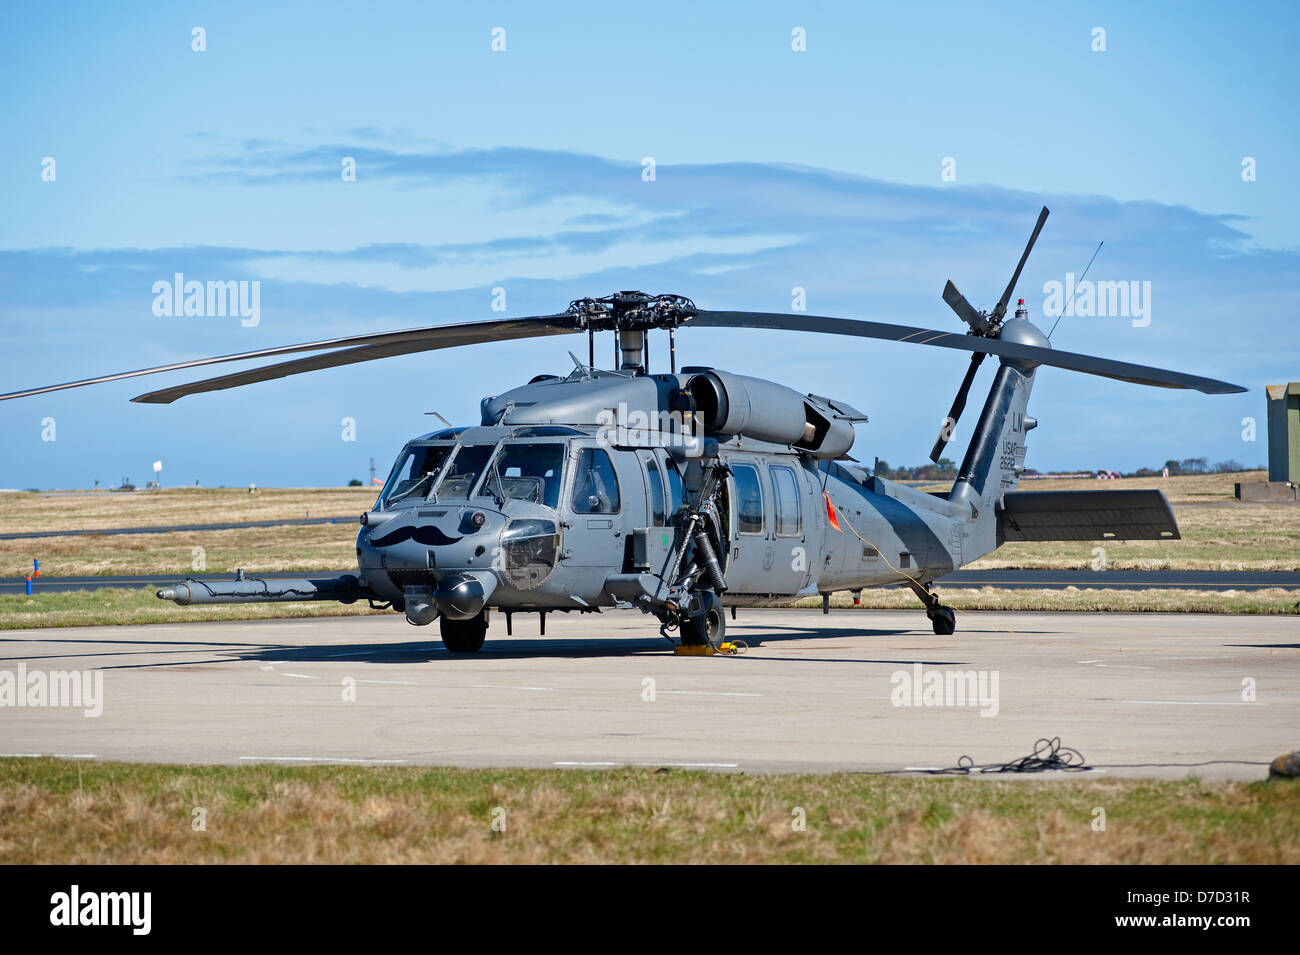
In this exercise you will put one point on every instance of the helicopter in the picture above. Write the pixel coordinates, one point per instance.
(685, 492)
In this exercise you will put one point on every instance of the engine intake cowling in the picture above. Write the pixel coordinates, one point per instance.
(728, 405)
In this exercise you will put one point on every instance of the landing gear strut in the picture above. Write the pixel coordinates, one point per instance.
(694, 603)
(942, 617)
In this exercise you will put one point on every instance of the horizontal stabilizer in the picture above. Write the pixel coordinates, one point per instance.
(1086, 516)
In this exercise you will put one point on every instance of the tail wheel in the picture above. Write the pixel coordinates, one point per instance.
(943, 619)
(709, 626)
(464, 636)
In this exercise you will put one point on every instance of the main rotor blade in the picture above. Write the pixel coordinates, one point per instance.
(1015, 276)
(449, 336)
(967, 312)
(464, 333)
(958, 406)
(1089, 364)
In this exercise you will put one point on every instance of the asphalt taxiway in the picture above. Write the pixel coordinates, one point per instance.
(1139, 695)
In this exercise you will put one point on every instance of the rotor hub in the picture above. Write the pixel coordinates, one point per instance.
(632, 311)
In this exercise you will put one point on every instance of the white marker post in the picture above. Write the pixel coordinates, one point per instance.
(157, 470)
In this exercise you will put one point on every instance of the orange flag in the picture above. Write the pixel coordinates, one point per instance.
(830, 512)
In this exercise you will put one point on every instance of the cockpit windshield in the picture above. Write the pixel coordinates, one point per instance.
(463, 470)
(416, 471)
(526, 470)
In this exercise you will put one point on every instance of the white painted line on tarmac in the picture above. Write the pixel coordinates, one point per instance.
(1194, 702)
(507, 686)
(571, 762)
(1116, 666)
(392, 682)
(317, 759)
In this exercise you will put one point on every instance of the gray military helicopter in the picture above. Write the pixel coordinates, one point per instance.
(673, 492)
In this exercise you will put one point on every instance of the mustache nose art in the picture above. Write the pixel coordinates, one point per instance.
(421, 535)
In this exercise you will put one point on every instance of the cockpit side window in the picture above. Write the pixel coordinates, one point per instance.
(528, 472)
(595, 486)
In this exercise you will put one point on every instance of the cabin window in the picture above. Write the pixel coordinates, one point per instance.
(656, 493)
(749, 499)
(595, 486)
(789, 511)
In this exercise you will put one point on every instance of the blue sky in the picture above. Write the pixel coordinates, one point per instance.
(522, 169)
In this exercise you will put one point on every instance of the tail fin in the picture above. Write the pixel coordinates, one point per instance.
(993, 464)
(996, 456)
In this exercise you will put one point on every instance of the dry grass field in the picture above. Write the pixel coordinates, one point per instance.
(309, 547)
(80, 510)
(59, 811)
(263, 550)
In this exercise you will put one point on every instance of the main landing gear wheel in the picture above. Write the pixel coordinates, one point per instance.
(707, 627)
(943, 618)
(464, 636)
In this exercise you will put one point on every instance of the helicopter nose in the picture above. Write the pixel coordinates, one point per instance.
(463, 596)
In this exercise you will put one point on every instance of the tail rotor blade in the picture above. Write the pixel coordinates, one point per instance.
(1015, 276)
(958, 406)
(967, 312)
